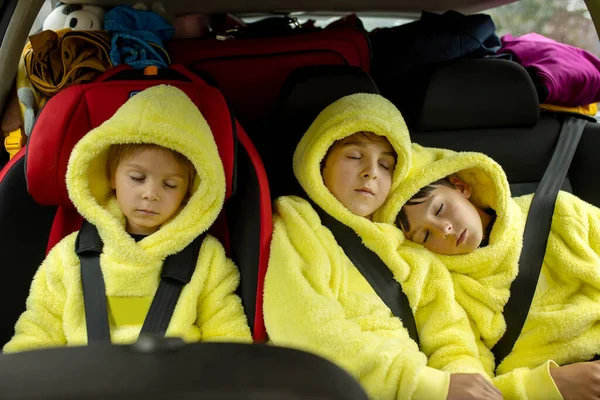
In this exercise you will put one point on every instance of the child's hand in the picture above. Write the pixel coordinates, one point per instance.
(580, 381)
(472, 387)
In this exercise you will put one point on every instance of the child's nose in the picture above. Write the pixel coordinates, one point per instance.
(150, 192)
(370, 170)
(444, 228)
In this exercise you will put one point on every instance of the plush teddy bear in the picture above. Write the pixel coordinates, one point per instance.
(75, 16)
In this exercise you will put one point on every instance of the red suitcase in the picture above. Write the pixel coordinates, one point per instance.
(250, 72)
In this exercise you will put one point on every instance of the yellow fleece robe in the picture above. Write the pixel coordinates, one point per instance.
(562, 324)
(208, 308)
(316, 300)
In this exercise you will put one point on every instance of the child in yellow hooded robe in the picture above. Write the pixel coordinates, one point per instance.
(459, 205)
(315, 299)
(150, 179)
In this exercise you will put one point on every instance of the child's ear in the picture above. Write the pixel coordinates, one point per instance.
(461, 186)
(113, 184)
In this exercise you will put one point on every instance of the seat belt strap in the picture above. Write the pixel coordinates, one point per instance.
(88, 248)
(176, 273)
(535, 236)
(373, 269)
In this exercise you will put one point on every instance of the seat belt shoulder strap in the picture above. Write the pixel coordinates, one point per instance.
(373, 269)
(535, 236)
(177, 271)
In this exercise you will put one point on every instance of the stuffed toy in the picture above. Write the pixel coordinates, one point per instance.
(75, 16)
(27, 98)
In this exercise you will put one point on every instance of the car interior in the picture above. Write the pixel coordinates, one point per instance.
(259, 93)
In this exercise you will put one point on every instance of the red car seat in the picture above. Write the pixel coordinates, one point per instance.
(244, 226)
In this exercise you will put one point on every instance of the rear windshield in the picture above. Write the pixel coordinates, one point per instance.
(566, 21)
(370, 21)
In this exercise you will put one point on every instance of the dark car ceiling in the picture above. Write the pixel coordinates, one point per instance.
(179, 7)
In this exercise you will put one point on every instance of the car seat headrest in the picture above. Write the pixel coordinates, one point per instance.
(309, 90)
(76, 110)
(306, 92)
(468, 94)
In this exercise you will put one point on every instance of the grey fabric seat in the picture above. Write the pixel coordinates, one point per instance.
(491, 106)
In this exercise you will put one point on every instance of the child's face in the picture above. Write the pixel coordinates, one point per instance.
(150, 186)
(446, 222)
(358, 172)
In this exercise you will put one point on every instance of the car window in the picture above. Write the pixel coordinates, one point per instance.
(566, 21)
(370, 21)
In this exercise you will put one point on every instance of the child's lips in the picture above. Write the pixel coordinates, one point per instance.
(147, 212)
(461, 238)
(366, 191)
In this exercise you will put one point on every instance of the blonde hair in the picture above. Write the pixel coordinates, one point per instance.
(118, 152)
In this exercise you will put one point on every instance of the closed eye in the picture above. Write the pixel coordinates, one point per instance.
(170, 185)
(426, 237)
(137, 179)
(440, 209)
(387, 163)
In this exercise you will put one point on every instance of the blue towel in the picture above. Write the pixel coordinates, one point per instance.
(137, 37)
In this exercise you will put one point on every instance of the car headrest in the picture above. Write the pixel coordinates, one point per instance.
(306, 92)
(468, 94)
(309, 90)
(76, 110)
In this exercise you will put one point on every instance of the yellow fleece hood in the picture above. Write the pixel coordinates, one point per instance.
(486, 178)
(481, 278)
(161, 115)
(360, 112)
